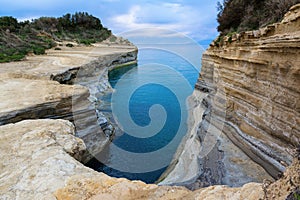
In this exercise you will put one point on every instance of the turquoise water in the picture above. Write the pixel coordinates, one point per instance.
(161, 78)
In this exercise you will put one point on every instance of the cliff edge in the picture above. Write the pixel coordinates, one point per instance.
(259, 72)
(247, 96)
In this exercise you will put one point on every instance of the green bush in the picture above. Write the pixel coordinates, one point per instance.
(87, 41)
(38, 50)
(244, 15)
(40, 34)
(9, 58)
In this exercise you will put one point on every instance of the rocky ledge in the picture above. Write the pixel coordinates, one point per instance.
(38, 163)
(40, 87)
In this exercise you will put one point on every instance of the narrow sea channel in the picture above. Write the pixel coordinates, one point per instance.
(163, 78)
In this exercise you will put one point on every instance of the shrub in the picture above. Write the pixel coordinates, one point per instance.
(38, 50)
(69, 45)
(243, 15)
(87, 41)
(40, 34)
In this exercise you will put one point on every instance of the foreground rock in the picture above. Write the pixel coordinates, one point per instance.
(35, 158)
(37, 163)
(288, 187)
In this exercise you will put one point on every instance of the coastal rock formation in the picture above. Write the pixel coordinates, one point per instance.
(37, 88)
(288, 187)
(37, 163)
(258, 70)
(260, 74)
(251, 82)
(32, 99)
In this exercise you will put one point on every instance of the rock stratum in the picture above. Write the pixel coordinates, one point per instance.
(247, 92)
(40, 87)
(259, 73)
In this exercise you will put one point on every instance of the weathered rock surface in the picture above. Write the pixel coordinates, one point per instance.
(28, 93)
(260, 74)
(32, 99)
(208, 156)
(37, 163)
(288, 187)
(35, 160)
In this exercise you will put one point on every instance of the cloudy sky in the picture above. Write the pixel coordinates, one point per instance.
(195, 18)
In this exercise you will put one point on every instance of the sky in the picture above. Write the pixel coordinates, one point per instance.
(195, 18)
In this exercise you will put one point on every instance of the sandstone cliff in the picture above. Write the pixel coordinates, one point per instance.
(259, 72)
(39, 87)
(248, 92)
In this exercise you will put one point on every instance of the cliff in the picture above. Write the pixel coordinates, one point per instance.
(248, 93)
(259, 73)
(40, 88)
(40, 157)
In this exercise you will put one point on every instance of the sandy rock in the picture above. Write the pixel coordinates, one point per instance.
(288, 186)
(32, 99)
(36, 158)
(259, 74)
(37, 163)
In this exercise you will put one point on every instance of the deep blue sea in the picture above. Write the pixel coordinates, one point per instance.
(152, 98)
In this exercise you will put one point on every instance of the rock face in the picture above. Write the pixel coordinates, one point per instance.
(35, 160)
(251, 82)
(288, 187)
(259, 72)
(208, 156)
(32, 99)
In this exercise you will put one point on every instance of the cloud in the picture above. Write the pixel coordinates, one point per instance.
(195, 22)
(196, 18)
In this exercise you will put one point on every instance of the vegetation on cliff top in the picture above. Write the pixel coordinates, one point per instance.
(244, 15)
(17, 39)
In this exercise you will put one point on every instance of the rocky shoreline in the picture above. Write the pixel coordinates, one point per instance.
(40, 157)
(221, 164)
(257, 74)
(43, 89)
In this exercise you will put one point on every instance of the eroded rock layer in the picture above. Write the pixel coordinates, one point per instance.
(257, 74)
(37, 162)
(246, 98)
(39, 87)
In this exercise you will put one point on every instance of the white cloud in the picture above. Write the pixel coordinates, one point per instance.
(174, 16)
